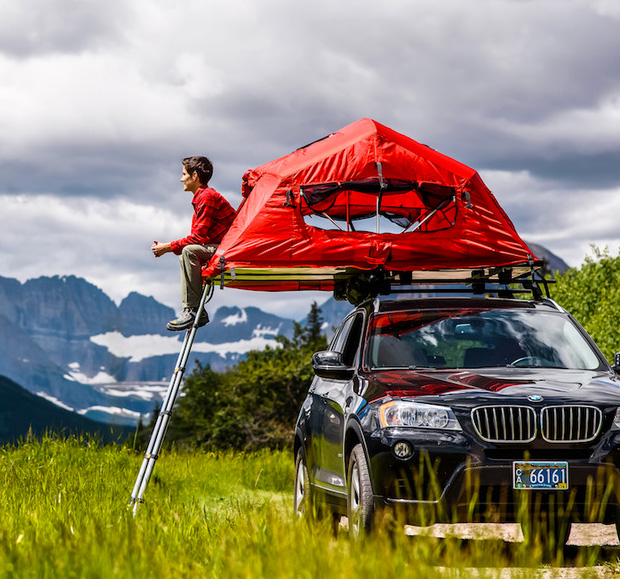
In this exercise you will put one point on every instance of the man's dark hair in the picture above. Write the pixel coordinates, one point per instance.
(200, 165)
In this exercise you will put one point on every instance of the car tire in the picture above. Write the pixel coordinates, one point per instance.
(360, 502)
(305, 502)
(302, 496)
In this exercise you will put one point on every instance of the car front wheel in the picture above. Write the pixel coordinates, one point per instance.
(360, 504)
(302, 496)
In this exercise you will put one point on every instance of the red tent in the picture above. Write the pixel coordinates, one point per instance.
(362, 198)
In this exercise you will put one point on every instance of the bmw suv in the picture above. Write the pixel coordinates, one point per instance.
(461, 410)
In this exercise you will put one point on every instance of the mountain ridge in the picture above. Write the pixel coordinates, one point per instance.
(64, 339)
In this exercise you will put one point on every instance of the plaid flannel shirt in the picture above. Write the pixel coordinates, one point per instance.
(212, 217)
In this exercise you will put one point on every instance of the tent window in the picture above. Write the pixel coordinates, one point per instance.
(379, 206)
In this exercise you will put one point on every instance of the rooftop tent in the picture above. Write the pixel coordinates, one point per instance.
(363, 198)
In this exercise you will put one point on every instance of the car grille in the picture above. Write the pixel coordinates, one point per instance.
(505, 423)
(570, 423)
(520, 423)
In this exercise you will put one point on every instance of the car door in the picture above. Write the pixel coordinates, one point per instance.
(335, 399)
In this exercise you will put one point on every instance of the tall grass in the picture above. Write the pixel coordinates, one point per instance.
(64, 514)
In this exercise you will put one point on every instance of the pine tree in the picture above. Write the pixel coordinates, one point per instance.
(314, 325)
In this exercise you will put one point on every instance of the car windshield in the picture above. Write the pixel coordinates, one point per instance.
(478, 339)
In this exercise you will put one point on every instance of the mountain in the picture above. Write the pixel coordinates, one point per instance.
(22, 412)
(138, 314)
(554, 263)
(65, 340)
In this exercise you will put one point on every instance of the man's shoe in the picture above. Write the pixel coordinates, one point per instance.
(186, 320)
(183, 322)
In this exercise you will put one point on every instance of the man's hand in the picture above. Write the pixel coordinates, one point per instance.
(159, 249)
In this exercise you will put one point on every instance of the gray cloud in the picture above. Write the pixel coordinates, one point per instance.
(576, 170)
(463, 77)
(99, 102)
(40, 27)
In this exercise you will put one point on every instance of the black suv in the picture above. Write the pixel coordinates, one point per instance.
(461, 410)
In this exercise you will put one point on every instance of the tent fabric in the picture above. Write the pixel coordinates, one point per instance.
(442, 215)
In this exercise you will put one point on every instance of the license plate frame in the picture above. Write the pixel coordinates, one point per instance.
(546, 475)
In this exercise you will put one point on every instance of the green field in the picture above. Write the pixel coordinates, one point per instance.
(64, 514)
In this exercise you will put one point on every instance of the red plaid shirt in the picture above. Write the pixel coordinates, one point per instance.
(213, 216)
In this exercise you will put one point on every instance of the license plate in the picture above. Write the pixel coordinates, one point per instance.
(547, 475)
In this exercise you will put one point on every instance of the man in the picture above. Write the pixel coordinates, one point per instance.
(213, 216)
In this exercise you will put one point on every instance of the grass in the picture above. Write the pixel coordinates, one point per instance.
(64, 514)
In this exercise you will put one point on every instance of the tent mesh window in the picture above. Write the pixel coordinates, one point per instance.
(379, 205)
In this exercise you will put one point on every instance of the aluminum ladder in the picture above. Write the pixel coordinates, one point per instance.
(161, 425)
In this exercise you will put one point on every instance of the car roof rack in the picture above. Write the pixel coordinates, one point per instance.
(503, 282)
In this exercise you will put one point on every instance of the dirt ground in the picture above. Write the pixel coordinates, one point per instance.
(582, 535)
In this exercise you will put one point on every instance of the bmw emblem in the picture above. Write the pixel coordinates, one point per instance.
(535, 398)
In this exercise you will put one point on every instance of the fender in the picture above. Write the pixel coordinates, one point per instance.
(353, 431)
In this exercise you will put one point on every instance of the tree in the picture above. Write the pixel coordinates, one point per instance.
(204, 414)
(310, 335)
(314, 326)
(591, 293)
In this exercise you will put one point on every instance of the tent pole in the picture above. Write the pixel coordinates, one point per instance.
(419, 222)
(381, 188)
(348, 215)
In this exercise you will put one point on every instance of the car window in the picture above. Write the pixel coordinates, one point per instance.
(477, 339)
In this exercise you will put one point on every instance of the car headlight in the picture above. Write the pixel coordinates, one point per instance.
(417, 415)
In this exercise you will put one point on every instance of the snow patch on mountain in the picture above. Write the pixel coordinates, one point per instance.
(148, 391)
(75, 375)
(262, 332)
(138, 348)
(241, 317)
(54, 400)
(112, 410)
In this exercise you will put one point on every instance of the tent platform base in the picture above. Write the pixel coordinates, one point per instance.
(355, 285)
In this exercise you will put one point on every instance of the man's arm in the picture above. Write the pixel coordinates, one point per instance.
(159, 249)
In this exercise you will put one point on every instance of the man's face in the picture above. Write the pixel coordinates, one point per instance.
(191, 182)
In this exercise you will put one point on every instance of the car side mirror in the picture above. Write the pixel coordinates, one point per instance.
(616, 365)
(329, 364)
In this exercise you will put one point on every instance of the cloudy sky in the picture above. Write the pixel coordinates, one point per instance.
(99, 101)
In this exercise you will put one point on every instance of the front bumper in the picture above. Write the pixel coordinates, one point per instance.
(450, 478)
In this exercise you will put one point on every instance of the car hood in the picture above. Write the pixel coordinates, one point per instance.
(495, 385)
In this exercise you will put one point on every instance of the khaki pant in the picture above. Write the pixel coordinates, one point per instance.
(192, 258)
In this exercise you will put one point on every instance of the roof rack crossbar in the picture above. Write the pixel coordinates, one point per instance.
(491, 281)
(459, 290)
